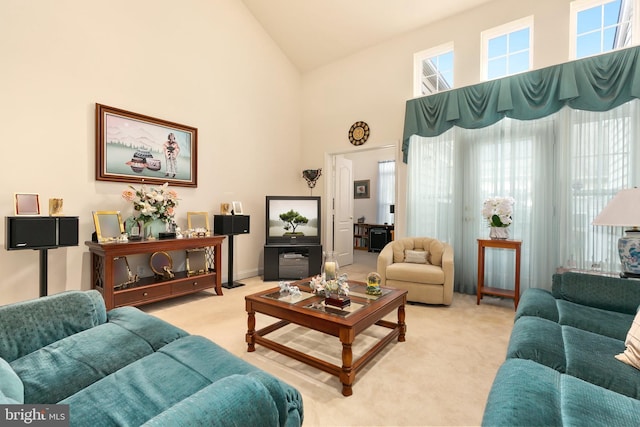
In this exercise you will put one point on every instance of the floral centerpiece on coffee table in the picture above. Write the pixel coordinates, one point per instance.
(336, 292)
(498, 212)
(150, 204)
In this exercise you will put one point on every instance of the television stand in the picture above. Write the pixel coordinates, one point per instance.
(291, 261)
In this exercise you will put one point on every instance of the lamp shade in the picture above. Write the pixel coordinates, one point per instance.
(621, 211)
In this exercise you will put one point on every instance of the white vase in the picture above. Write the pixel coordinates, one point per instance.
(499, 233)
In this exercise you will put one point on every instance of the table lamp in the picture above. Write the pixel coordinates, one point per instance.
(624, 211)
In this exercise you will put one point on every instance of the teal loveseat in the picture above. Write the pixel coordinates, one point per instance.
(127, 368)
(561, 367)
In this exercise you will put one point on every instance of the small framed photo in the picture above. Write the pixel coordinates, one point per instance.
(237, 208)
(225, 208)
(361, 189)
(55, 207)
(26, 204)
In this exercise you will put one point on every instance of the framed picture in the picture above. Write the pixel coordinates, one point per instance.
(108, 225)
(26, 204)
(134, 148)
(55, 207)
(196, 262)
(237, 208)
(198, 220)
(225, 208)
(122, 276)
(361, 189)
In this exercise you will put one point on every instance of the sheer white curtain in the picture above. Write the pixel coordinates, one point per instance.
(561, 170)
(599, 159)
(386, 191)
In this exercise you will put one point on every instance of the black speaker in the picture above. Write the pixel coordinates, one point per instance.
(68, 231)
(231, 224)
(40, 232)
(377, 239)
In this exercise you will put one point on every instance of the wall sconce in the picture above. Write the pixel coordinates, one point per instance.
(311, 175)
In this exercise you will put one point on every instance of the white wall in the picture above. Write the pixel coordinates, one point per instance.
(374, 84)
(200, 63)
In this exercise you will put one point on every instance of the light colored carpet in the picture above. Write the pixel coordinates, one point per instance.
(440, 376)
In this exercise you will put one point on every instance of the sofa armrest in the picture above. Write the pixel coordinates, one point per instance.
(236, 400)
(448, 269)
(30, 325)
(385, 259)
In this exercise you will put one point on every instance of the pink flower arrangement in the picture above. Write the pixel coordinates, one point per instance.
(152, 203)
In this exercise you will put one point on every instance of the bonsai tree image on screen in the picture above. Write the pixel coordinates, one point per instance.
(292, 220)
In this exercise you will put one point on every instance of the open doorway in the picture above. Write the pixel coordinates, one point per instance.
(348, 205)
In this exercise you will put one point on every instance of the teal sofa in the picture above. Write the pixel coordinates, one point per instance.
(561, 367)
(127, 368)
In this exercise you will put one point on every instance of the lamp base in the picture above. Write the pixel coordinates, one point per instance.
(629, 251)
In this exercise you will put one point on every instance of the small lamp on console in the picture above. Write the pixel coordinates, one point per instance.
(624, 211)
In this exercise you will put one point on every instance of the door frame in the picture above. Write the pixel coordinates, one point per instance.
(329, 188)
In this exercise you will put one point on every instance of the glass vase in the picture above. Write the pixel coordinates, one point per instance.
(330, 266)
(499, 233)
(153, 228)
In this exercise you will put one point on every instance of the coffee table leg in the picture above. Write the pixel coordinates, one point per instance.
(251, 331)
(401, 324)
(347, 375)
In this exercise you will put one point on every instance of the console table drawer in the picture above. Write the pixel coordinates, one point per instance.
(193, 284)
(137, 296)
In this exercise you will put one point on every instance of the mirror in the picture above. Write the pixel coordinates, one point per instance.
(122, 276)
(196, 262)
(26, 204)
(108, 225)
(161, 264)
(198, 221)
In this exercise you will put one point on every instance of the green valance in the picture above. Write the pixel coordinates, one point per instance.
(598, 83)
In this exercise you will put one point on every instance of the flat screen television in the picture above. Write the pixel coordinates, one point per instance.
(293, 220)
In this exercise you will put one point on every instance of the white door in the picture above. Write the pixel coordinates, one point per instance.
(343, 211)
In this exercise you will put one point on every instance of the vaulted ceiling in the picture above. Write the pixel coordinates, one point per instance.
(313, 33)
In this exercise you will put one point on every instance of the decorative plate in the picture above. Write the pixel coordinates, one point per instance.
(359, 133)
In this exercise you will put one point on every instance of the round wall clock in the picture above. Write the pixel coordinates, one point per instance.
(359, 133)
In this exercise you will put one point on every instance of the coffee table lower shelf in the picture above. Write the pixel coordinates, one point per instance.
(347, 372)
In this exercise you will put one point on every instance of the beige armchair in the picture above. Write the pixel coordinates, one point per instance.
(421, 265)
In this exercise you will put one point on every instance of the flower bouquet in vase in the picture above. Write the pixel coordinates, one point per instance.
(153, 205)
(498, 211)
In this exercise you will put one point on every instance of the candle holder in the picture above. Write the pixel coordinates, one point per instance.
(330, 267)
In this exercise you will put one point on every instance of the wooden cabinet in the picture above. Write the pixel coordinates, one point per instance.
(362, 235)
(152, 289)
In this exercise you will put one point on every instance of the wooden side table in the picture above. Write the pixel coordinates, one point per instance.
(486, 290)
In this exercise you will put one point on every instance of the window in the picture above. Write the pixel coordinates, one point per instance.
(386, 191)
(599, 26)
(507, 49)
(433, 70)
(561, 170)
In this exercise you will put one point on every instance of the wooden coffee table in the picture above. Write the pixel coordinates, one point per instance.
(308, 310)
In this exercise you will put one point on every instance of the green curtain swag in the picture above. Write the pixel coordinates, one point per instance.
(598, 83)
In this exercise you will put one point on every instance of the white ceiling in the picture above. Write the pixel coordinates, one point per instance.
(313, 33)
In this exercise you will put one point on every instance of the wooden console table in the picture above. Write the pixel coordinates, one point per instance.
(152, 289)
(486, 290)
